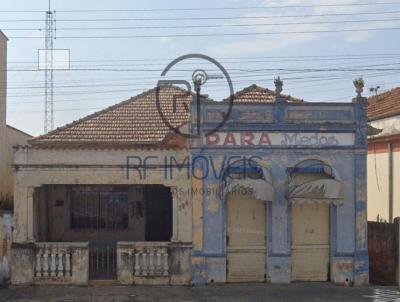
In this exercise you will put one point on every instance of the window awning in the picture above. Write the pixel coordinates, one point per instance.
(314, 185)
(328, 191)
(255, 179)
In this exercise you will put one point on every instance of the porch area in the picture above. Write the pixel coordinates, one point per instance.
(123, 233)
(136, 262)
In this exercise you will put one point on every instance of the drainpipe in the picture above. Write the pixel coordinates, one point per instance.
(397, 248)
(390, 180)
(397, 232)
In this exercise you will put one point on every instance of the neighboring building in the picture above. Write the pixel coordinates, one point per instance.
(3, 114)
(9, 137)
(384, 156)
(119, 195)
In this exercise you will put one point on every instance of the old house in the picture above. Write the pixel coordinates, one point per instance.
(9, 137)
(276, 194)
(384, 156)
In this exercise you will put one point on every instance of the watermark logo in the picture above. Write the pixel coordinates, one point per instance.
(199, 78)
(199, 167)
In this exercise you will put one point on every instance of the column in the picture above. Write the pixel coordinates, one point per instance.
(30, 214)
(175, 216)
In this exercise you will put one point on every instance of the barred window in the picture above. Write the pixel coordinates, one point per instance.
(99, 207)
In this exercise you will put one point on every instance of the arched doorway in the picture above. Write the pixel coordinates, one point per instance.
(312, 190)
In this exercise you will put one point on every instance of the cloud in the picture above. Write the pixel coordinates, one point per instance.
(259, 44)
(164, 40)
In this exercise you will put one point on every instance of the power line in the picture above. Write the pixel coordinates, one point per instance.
(231, 8)
(124, 97)
(127, 63)
(208, 18)
(214, 34)
(355, 68)
(206, 26)
(313, 57)
(208, 8)
(304, 79)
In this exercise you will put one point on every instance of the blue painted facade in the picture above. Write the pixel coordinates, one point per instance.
(348, 223)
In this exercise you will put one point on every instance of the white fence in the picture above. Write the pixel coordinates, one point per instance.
(150, 259)
(53, 259)
(54, 262)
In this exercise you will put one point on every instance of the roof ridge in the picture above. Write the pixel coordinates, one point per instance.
(247, 89)
(16, 129)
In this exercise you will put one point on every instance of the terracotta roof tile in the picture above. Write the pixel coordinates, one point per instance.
(259, 94)
(137, 121)
(384, 105)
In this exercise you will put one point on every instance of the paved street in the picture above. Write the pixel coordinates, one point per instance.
(226, 293)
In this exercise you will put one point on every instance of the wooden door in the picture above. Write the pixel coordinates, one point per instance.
(310, 242)
(246, 239)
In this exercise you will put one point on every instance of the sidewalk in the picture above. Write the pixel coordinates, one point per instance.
(298, 292)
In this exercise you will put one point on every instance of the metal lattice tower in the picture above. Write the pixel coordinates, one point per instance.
(48, 84)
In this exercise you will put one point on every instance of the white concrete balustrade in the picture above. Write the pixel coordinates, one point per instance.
(150, 259)
(53, 259)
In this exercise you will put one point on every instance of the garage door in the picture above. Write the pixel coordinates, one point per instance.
(246, 243)
(310, 242)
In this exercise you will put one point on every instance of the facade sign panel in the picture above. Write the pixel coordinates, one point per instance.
(308, 139)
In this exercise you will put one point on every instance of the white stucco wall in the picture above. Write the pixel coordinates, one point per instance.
(14, 138)
(378, 186)
(378, 170)
(389, 126)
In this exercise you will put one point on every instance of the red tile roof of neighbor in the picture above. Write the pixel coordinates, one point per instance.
(384, 104)
(259, 94)
(137, 121)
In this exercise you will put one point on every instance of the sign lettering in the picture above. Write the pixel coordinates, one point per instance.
(247, 138)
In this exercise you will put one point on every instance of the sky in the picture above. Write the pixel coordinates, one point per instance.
(119, 48)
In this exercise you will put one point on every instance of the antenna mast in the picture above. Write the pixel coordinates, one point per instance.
(48, 73)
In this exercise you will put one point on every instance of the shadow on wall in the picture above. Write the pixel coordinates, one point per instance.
(6, 227)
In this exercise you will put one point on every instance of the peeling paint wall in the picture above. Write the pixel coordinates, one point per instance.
(199, 211)
(348, 240)
(6, 226)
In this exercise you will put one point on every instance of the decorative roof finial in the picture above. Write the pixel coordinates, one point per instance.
(359, 84)
(278, 85)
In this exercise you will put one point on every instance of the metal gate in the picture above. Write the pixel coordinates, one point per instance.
(383, 249)
(102, 260)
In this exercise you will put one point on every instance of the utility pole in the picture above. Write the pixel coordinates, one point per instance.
(48, 73)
